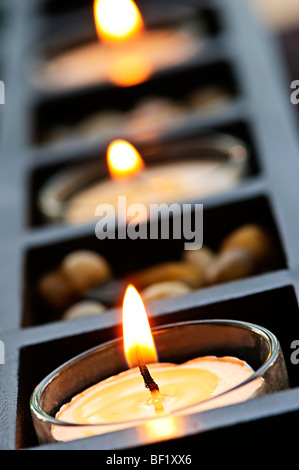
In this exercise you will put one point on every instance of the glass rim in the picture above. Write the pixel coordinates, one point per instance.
(267, 335)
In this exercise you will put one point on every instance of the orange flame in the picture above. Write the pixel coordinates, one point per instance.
(123, 159)
(136, 329)
(117, 20)
(130, 69)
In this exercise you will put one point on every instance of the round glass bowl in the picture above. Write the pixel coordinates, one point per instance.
(176, 172)
(175, 343)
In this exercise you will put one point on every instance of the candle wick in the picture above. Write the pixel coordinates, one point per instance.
(149, 382)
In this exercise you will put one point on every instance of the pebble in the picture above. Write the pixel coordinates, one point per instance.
(85, 269)
(55, 288)
(253, 239)
(209, 98)
(230, 265)
(201, 258)
(163, 290)
(83, 309)
(170, 271)
(103, 122)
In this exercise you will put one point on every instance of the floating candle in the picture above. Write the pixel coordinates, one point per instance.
(125, 54)
(122, 400)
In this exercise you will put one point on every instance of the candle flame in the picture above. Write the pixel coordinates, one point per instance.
(117, 20)
(136, 329)
(123, 159)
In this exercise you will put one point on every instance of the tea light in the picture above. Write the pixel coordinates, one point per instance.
(121, 398)
(134, 394)
(73, 196)
(125, 54)
(155, 397)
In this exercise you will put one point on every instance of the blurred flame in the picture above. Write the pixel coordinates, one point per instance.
(130, 69)
(136, 329)
(123, 159)
(117, 20)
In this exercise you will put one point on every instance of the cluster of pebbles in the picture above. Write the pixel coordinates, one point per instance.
(82, 281)
(150, 115)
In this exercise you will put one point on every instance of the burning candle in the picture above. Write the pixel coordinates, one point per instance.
(73, 196)
(126, 53)
(150, 389)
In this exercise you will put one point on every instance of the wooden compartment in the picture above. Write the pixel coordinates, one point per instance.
(265, 308)
(62, 119)
(153, 151)
(127, 256)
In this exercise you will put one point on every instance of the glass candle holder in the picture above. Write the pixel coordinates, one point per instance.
(175, 172)
(175, 343)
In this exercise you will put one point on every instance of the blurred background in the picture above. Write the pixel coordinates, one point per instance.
(281, 19)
